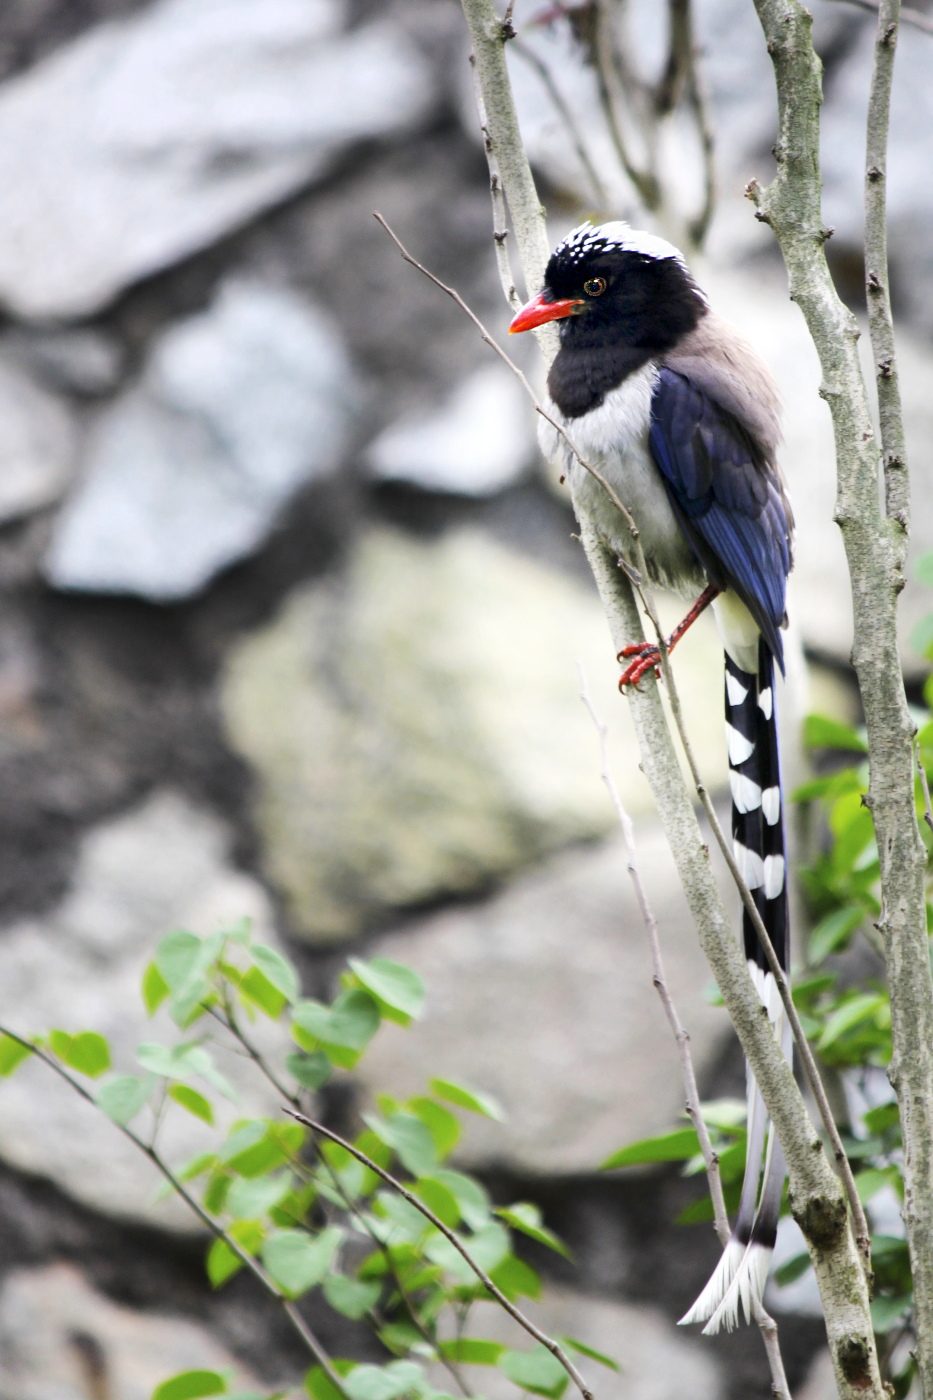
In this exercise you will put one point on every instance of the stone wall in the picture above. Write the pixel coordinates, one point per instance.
(290, 621)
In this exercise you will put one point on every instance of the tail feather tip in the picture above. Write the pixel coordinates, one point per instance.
(745, 1293)
(718, 1286)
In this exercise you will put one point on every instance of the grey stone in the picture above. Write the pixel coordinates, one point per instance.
(62, 1340)
(656, 1362)
(543, 997)
(416, 727)
(160, 867)
(151, 137)
(87, 362)
(238, 408)
(37, 444)
(475, 444)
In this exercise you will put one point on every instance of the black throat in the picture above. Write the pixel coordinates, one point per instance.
(655, 304)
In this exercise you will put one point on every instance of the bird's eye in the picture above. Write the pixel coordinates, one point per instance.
(595, 286)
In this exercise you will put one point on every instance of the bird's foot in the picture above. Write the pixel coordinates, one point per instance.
(647, 658)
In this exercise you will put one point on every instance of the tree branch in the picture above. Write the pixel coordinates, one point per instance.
(553, 1347)
(875, 542)
(908, 16)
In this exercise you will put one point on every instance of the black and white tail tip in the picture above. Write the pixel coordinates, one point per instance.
(738, 1282)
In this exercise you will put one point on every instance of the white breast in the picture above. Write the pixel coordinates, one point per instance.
(614, 439)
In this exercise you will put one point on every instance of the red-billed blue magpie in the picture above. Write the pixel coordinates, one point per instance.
(681, 416)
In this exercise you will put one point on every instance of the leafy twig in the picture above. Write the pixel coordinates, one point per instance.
(215, 1227)
(552, 1346)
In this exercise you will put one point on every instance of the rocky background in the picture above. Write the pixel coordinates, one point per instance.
(291, 622)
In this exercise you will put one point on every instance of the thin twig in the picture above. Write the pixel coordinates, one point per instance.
(925, 786)
(767, 1326)
(916, 18)
(552, 1346)
(699, 100)
(710, 1158)
(215, 1227)
(645, 181)
(566, 115)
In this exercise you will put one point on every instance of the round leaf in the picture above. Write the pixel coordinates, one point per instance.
(350, 1296)
(122, 1098)
(191, 1385)
(194, 1102)
(297, 1261)
(537, 1371)
(397, 986)
(470, 1099)
(279, 971)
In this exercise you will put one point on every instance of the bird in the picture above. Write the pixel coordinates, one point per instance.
(681, 416)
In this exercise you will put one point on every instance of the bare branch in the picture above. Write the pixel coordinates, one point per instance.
(500, 230)
(215, 1227)
(925, 786)
(908, 16)
(553, 1347)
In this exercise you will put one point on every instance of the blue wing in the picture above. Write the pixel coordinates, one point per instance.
(727, 497)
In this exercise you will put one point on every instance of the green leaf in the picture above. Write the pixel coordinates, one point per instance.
(254, 986)
(850, 1013)
(193, 1101)
(297, 1261)
(184, 1062)
(475, 1205)
(191, 1385)
(176, 958)
(87, 1052)
(12, 1054)
(310, 1071)
(675, 1146)
(350, 1296)
(383, 1382)
(439, 1198)
(320, 1386)
(249, 1198)
(395, 986)
(537, 1371)
(792, 1269)
(222, 1261)
(833, 931)
(352, 1021)
(472, 1351)
(154, 989)
(820, 732)
(440, 1123)
(527, 1218)
(408, 1138)
(470, 1099)
(516, 1279)
(869, 1183)
(278, 970)
(123, 1097)
(882, 1119)
(886, 1311)
(594, 1355)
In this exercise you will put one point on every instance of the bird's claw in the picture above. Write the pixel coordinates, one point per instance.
(647, 658)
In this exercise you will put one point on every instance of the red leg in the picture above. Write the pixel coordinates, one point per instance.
(647, 655)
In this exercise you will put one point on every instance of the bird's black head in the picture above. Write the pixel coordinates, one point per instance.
(622, 297)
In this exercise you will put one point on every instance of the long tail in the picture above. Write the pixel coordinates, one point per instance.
(758, 842)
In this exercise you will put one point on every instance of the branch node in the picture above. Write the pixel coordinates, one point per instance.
(874, 174)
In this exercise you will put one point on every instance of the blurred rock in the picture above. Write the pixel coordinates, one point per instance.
(160, 867)
(149, 138)
(417, 730)
(543, 998)
(87, 362)
(475, 444)
(37, 444)
(62, 1340)
(238, 408)
(656, 1362)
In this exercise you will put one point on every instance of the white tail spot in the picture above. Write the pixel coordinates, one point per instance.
(771, 805)
(765, 703)
(718, 1286)
(774, 876)
(751, 866)
(735, 690)
(745, 794)
(745, 1291)
(740, 748)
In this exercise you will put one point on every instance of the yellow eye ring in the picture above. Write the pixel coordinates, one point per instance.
(595, 286)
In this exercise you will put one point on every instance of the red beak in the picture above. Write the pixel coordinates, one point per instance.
(539, 310)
